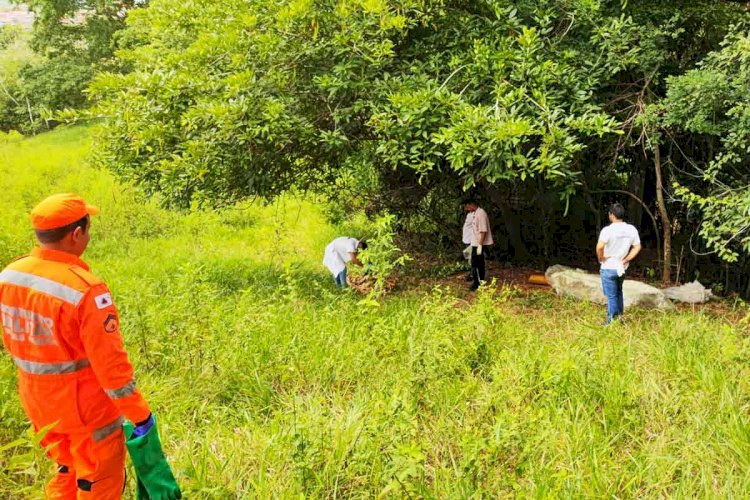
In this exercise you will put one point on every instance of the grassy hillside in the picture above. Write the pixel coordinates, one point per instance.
(268, 382)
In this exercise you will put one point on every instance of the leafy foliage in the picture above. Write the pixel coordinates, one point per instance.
(299, 92)
(9, 34)
(403, 105)
(71, 41)
(383, 257)
(711, 102)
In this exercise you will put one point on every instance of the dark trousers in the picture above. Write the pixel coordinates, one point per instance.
(477, 267)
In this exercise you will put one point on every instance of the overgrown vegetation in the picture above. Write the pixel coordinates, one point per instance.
(269, 382)
(14, 55)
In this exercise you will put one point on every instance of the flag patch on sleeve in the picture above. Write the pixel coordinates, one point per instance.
(103, 300)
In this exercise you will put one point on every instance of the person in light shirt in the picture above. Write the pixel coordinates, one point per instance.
(467, 233)
(618, 245)
(338, 253)
(481, 237)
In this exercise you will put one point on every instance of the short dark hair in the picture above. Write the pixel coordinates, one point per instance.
(617, 210)
(57, 234)
(362, 244)
(469, 201)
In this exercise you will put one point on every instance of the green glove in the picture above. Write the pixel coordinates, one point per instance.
(155, 479)
(141, 491)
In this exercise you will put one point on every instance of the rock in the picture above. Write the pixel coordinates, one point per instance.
(587, 286)
(556, 269)
(692, 293)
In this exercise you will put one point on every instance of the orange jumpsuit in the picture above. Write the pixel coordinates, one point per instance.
(61, 328)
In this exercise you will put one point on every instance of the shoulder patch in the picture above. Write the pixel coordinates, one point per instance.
(110, 323)
(103, 300)
(88, 278)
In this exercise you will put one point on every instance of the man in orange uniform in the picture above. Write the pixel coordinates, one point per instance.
(62, 331)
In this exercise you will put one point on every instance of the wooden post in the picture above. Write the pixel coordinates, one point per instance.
(666, 269)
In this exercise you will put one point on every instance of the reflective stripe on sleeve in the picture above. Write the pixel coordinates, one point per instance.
(109, 429)
(121, 392)
(43, 285)
(58, 368)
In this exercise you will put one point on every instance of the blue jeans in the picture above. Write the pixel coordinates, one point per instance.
(612, 288)
(340, 279)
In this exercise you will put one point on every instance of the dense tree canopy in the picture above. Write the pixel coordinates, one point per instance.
(551, 108)
(229, 98)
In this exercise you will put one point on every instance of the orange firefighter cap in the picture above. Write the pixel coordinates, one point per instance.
(59, 210)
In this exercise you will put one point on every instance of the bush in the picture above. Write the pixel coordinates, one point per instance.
(9, 35)
(14, 54)
(383, 257)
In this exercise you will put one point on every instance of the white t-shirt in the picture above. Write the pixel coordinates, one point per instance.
(618, 238)
(481, 225)
(468, 228)
(337, 254)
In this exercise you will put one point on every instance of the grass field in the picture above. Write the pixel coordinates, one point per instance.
(269, 383)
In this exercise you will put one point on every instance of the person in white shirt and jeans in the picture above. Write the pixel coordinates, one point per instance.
(338, 253)
(618, 245)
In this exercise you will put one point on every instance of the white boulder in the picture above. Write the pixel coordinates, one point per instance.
(692, 293)
(587, 286)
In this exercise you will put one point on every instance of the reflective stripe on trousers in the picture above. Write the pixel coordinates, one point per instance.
(53, 368)
(109, 429)
(121, 392)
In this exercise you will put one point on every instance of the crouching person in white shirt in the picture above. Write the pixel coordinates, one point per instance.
(618, 245)
(338, 253)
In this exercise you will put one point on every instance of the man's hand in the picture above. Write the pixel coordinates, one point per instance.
(479, 250)
(142, 428)
(621, 269)
(355, 259)
(600, 252)
(634, 251)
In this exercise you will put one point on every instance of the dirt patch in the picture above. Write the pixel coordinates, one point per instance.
(504, 275)
(428, 272)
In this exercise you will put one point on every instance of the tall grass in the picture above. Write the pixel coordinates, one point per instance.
(268, 382)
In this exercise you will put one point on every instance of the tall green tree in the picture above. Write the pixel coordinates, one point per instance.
(72, 41)
(230, 99)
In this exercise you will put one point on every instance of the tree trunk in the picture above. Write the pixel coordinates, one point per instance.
(666, 270)
(636, 185)
(512, 223)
